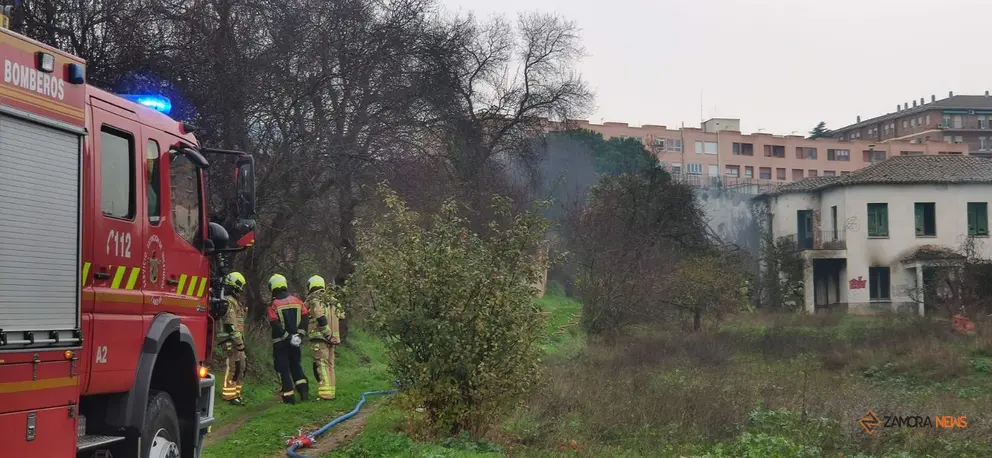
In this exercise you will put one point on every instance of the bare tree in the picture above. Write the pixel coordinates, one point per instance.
(101, 31)
(498, 86)
(331, 96)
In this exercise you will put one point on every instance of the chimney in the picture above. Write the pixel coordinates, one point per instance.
(905, 106)
(950, 93)
(859, 118)
(986, 93)
(921, 101)
(914, 103)
(933, 98)
(898, 107)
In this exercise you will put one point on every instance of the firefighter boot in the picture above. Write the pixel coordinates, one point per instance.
(239, 401)
(303, 388)
(289, 397)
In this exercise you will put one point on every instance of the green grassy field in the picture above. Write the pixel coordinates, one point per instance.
(760, 386)
(358, 370)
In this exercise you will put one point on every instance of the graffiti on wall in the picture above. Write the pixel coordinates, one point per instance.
(858, 283)
(851, 225)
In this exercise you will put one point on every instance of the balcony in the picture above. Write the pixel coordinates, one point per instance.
(743, 185)
(820, 240)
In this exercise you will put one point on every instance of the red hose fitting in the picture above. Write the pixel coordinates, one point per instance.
(301, 441)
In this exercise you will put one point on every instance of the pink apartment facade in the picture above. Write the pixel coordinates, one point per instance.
(728, 157)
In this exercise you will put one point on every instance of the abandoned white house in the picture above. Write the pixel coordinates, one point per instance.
(869, 239)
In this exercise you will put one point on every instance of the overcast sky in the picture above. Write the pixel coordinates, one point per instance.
(778, 65)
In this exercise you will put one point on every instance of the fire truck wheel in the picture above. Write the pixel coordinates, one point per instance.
(160, 437)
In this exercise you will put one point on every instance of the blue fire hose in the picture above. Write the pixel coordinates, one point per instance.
(302, 441)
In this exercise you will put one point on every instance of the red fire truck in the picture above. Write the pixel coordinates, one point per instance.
(107, 260)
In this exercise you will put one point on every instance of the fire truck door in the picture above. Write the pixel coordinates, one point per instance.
(156, 181)
(116, 239)
(179, 284)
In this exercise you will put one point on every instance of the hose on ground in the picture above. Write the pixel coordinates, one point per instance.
(306, 440)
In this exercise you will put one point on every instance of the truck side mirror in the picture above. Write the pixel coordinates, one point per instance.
(195, 157)
(217, 236)
(244, 183)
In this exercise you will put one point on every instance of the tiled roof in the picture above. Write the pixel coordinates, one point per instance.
(960, 102)
(930, 253)
(903, 170)
(804, 185)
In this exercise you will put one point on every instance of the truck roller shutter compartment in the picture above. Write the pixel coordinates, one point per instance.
(39, 231)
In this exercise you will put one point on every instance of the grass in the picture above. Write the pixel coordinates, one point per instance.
(562, 329)
(381, 438)
(765, 386)
(360, 369)
(775, 386)
(383, 435)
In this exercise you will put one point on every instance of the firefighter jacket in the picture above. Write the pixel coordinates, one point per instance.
(287, 315)
(233, 323)
(323, 308)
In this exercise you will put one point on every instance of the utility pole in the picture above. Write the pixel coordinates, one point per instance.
(701, 107)
(719, 163)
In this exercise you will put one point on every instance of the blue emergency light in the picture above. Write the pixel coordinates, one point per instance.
(158, 103)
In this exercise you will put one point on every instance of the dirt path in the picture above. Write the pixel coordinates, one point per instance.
(221, 432)
(336, 436)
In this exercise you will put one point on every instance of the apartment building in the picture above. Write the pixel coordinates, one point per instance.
(718, 154)
(957, 119)
(873, 240)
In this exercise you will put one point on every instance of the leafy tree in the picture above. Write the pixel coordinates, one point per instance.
(457, 310)
(633, 230)
(614, 156)
(706, 284)
(820, 131)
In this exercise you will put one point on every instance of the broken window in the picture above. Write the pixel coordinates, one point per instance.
(926, 219)
(878, 283)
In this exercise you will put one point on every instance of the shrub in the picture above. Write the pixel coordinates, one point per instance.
(456, 309)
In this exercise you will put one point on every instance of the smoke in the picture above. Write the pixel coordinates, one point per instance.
(566, 170)
(731, 218)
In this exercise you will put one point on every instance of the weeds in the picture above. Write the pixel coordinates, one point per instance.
(769, 386)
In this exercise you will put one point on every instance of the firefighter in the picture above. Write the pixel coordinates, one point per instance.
(323, 307)
(231, 339)
(289, 318)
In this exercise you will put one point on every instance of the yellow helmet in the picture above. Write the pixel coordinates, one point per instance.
(314, 282)
(277, 281)
(235, 280)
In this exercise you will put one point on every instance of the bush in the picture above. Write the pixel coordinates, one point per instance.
(457, 310)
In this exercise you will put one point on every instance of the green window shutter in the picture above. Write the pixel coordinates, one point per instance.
(883, 223)
(972, 219)
(978, 218)
(878, 220)
(884, 283)
(872, 221)
(982, 226)
(918, 213)
(873, 283)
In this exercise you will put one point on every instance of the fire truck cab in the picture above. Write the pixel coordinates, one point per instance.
(108, 262)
